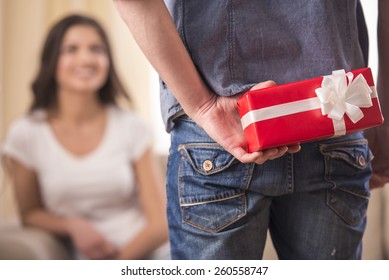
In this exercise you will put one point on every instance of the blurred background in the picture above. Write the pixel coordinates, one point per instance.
(23, 25)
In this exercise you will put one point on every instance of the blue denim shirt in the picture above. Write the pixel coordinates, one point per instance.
(238, 43)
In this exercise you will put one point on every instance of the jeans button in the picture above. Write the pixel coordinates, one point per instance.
(207, 165)
(362, 160)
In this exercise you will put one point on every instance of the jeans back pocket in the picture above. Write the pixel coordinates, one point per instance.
(212, 186)
(348, 169)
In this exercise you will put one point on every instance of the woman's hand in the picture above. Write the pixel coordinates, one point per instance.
(89, 241)
(220, 119)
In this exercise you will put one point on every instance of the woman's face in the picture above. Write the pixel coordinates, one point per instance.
(83, 63)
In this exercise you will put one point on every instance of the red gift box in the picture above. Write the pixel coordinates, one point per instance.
(312, 109)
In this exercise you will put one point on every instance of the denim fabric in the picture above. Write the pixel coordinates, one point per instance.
(314, 202)
(238, 43)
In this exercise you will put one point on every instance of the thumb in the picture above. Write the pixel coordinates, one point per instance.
(264, 85)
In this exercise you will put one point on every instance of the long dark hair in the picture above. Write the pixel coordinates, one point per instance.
(44, 86)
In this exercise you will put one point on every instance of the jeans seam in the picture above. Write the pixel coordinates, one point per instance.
(343, 217)
(353, 193)
(199, 145)
(323, 147)
(212, 200)
(244, 213)
(290, 170)
(249, 176)
(241, 195)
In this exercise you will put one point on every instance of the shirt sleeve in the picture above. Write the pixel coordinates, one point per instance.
(17, 144)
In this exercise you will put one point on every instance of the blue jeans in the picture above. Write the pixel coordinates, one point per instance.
(313, 202)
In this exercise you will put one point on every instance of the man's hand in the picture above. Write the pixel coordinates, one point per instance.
(220, 119)
(378, 138)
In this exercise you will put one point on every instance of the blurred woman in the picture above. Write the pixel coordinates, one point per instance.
(81, 166)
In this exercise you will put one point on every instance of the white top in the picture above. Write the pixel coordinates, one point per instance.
(99, 186)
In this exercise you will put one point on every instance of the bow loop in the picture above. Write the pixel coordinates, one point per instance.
(339, 94)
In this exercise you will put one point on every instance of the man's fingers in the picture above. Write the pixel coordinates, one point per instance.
(263, 85)
(294, 149)
(378, 181)
(243, 156)
(275, 153)
(261, 157)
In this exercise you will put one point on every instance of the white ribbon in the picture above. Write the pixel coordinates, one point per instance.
(340, 94)
(335, 98)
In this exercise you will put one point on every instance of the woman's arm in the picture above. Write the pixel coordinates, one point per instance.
(90, 242)
(153, 204)
(152, 27)
(31, 210)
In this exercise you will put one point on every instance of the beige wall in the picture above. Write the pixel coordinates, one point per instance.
(23, 26)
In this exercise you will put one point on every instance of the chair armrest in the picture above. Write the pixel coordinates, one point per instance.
(26, 243)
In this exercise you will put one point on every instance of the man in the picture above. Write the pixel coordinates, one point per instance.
(314, 200)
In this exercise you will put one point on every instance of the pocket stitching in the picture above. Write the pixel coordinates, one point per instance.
(198, 226)
(211, 201)
(241, 195)
(329, 155)
(202, 145)
(344, 143)
(325, 150)
(344, 217)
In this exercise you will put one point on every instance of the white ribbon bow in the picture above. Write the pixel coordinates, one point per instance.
(340, 94)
